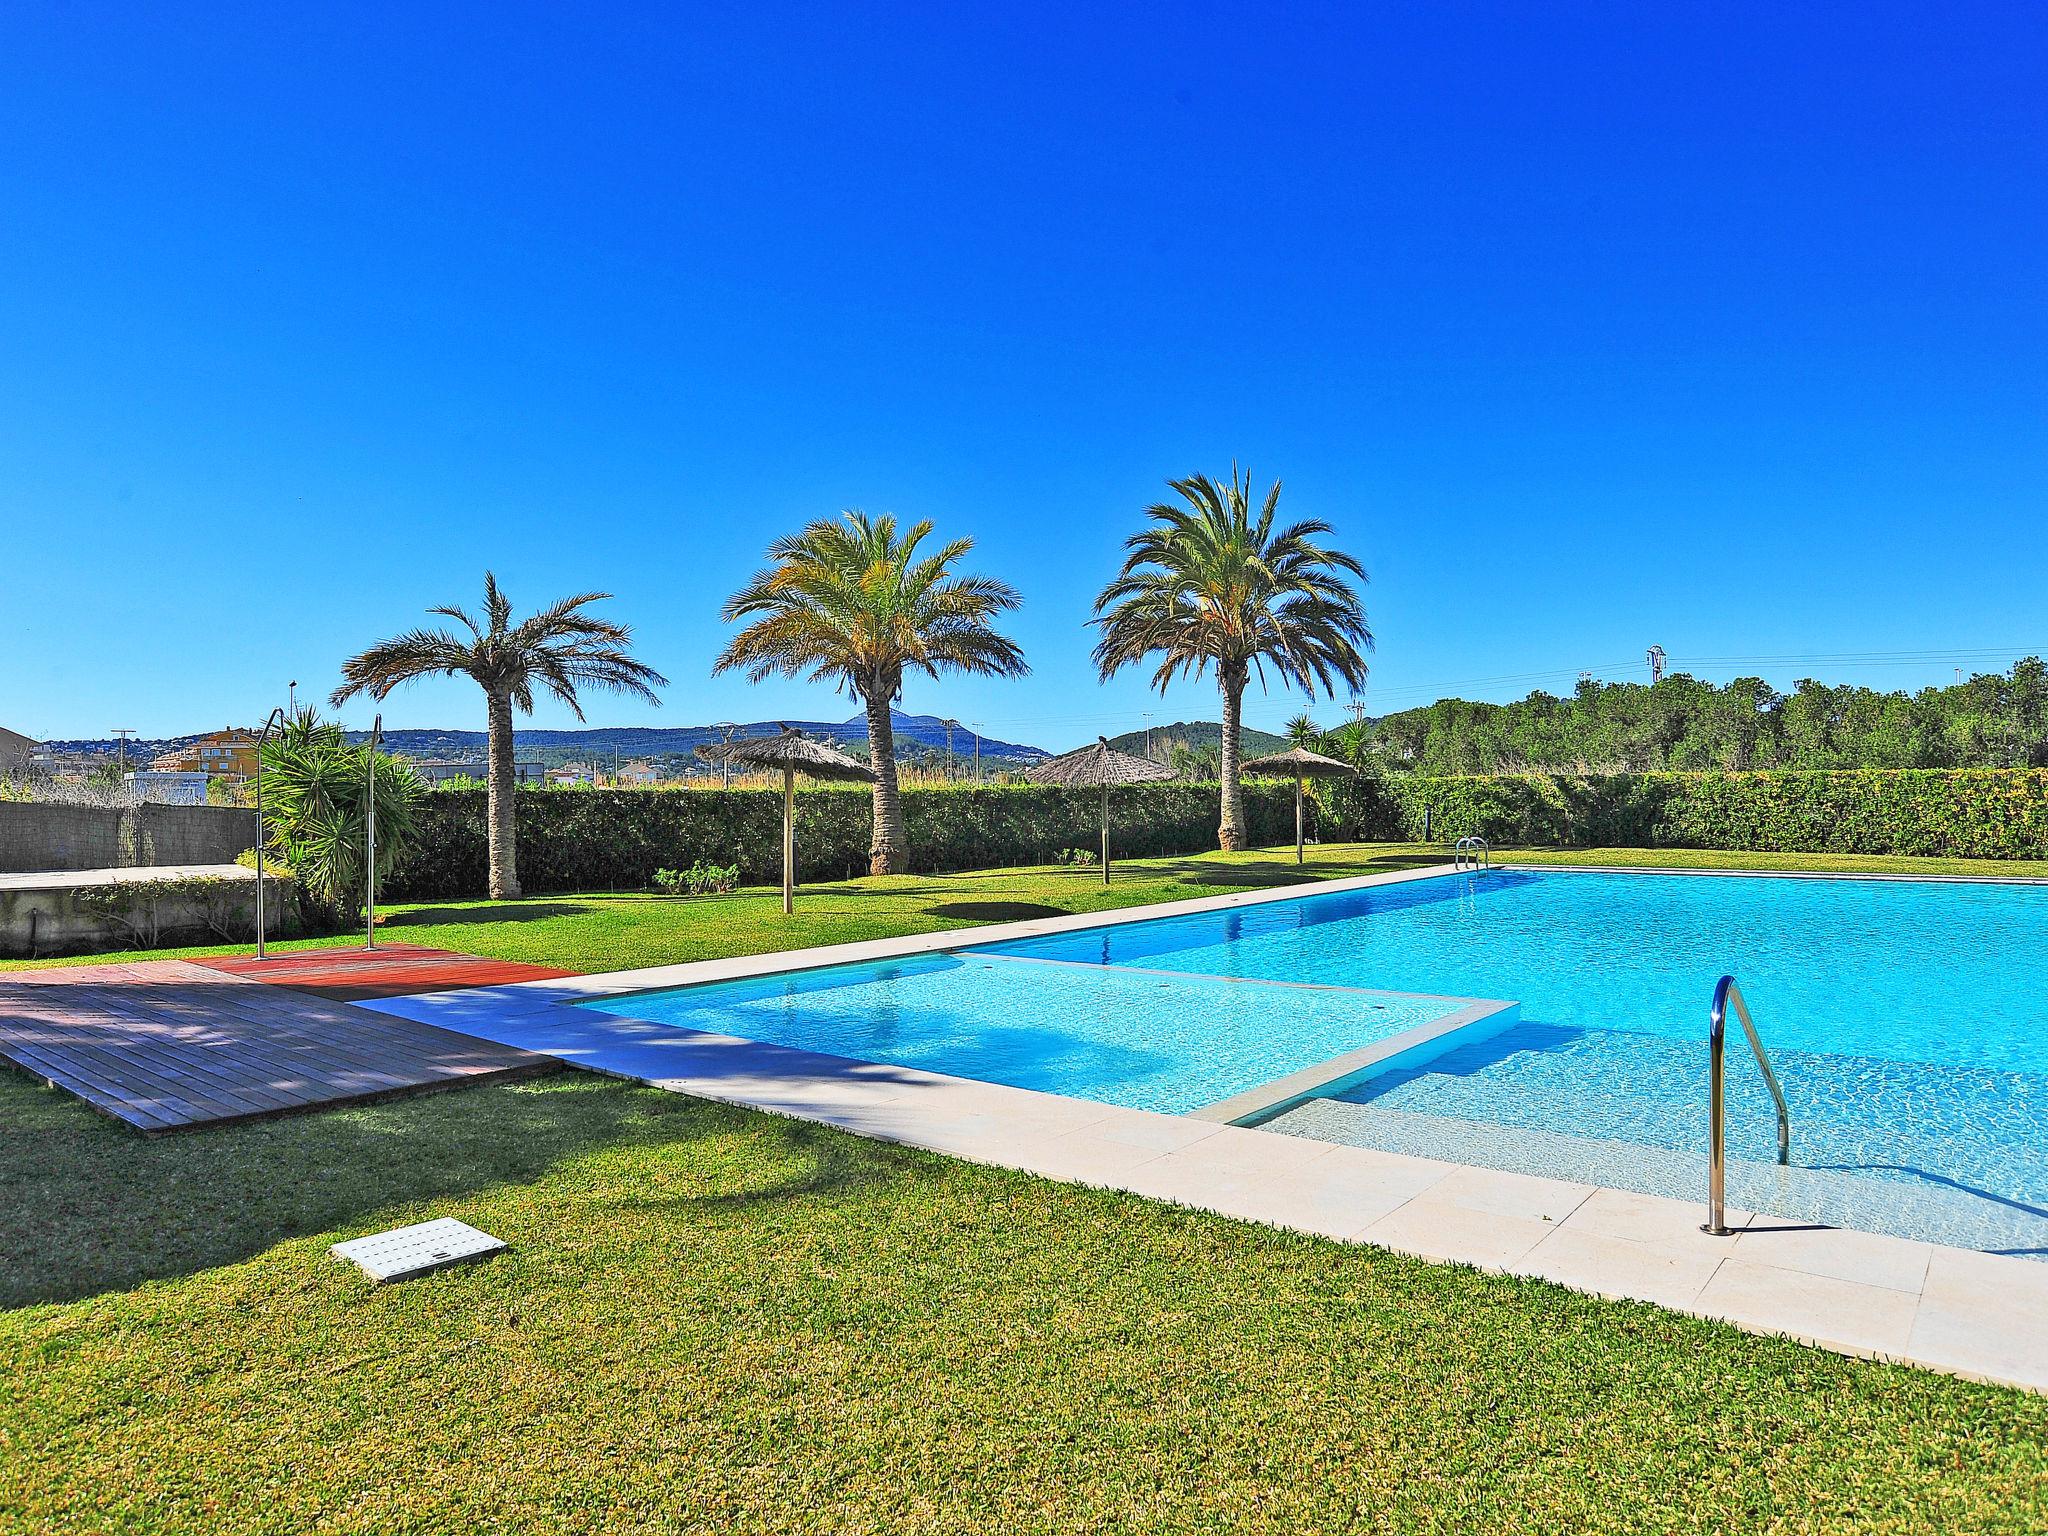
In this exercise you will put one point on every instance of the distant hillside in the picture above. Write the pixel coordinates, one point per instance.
(677, 744)
(673, 746)
(1198, 735)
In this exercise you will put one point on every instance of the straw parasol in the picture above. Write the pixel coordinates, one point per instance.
(1302, 764)
(1098, 767)
(793, 753)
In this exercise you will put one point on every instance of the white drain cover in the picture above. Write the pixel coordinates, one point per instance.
(404, 1252)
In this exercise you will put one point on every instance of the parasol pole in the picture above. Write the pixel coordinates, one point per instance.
(1297, 819)
(788, 839)
(1105, 830)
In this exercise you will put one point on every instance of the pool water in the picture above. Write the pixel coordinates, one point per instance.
(1148, 1039)
(1906, 1019)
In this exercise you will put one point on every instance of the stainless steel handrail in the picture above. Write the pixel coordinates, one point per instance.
(1725, 992)
(1473, 852)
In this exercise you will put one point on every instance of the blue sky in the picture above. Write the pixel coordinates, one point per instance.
(1720, 327)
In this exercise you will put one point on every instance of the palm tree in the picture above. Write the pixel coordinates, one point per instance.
(1302, 731)
(1210, 584)
(853, 603)
(561, 648)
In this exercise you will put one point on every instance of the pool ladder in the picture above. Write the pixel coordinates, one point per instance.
(1473, 853)
(1726, 992)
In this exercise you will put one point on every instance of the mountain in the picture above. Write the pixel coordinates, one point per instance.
(1201, 735)
(671, 745)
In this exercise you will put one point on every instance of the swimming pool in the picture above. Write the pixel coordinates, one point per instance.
(1906, 1019)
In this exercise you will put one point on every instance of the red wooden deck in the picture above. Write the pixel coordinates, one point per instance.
(390, 970)
(167, 1044)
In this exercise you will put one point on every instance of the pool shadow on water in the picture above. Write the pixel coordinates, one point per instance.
(88, 1206)
(1470, 1060)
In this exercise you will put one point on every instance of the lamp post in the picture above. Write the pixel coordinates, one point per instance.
(370, 834)
(274, 720)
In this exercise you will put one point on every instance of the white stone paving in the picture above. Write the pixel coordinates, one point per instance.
(1973, 1314)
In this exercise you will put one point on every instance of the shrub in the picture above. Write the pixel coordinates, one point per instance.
(313, 813)
(1972, 813)
(699, 879)
(616, 839)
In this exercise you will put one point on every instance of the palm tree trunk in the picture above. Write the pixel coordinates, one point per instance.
(1230, 834)
(889, 853)
(502, 793)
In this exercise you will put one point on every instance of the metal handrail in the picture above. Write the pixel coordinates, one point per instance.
(1472, 852)
(1725, 992)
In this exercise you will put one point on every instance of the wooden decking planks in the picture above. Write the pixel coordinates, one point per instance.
(389, 970)
(169, 1044)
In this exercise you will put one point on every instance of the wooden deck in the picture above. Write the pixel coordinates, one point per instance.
(166, 1044)
(349, 973)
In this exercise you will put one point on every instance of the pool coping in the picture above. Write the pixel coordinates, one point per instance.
(1965, 1313)
(1768, 874)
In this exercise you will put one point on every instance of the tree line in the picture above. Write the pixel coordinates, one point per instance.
(1211, 585)
(1993, 720)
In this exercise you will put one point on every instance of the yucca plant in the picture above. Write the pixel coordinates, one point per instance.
(853, 603)
(1211, 584)
(560, 649)
(315, 804)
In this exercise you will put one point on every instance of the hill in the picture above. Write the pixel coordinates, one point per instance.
(671, 746)
(1197, 736)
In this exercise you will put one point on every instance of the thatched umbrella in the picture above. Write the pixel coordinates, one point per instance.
(1098, 767)
(793, 753)
(1302, 764)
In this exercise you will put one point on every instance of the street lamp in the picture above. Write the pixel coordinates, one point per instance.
(275, 720)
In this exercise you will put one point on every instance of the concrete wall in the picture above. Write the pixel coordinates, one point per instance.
(52, 920)
(36, 837)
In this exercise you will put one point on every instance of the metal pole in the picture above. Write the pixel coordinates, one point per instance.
(1297, 820)
(370, 834)
(788, 840)
(1105, 831)
(276, 717)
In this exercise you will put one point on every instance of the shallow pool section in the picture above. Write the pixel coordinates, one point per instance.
(1146, 1039)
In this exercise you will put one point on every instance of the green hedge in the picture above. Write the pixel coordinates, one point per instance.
(1970, 813)
(605, 839)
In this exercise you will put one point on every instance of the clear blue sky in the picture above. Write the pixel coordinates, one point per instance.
(1589, 327)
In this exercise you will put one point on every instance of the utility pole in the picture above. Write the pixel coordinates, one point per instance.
(1656, 660)
(121, 734)
(977, 751)
(951, 725)
(1148, 733)
(725, 728)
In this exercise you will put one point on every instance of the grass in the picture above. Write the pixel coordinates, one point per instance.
(716, 1320)
(604, 932)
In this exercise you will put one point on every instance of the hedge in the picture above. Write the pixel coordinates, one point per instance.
(1970, 813)
(606, 839)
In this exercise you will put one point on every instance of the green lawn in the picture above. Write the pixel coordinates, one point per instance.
(716, 1320)
(604, 932)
